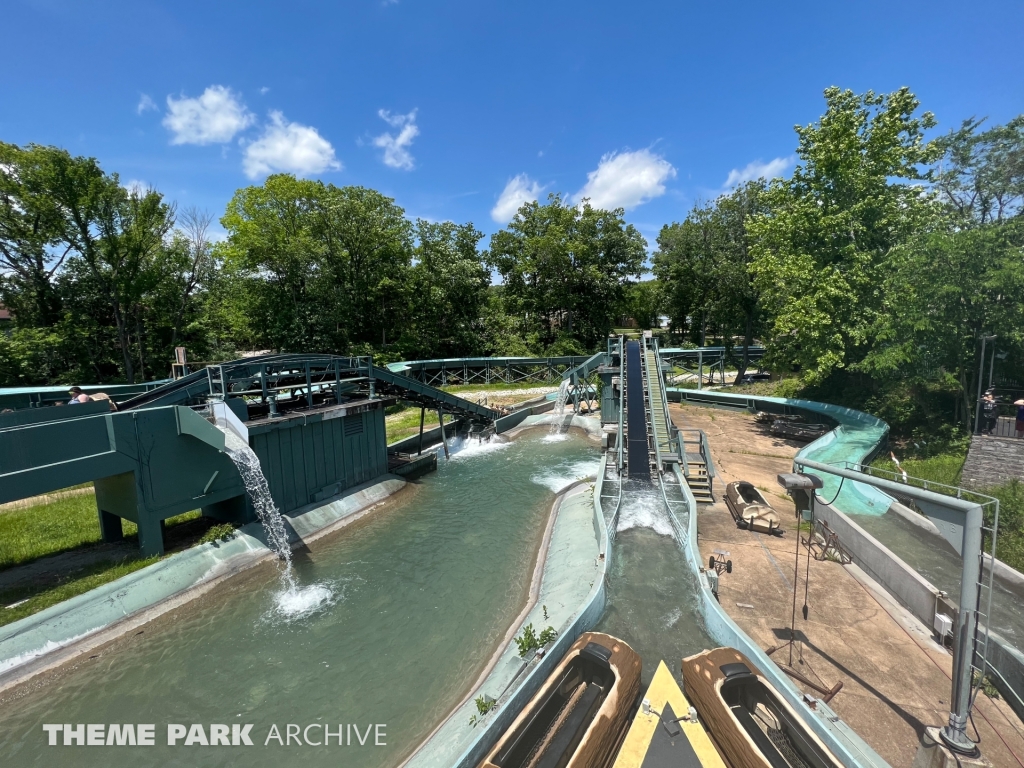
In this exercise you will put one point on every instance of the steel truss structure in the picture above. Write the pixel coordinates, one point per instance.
(489, 370)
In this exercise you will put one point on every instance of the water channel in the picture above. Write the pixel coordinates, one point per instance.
(651, 593)
(412, 602)
(935, 559)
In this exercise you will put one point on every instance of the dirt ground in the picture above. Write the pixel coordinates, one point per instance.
(896, 679)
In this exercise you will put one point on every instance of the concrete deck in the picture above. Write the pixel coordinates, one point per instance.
(896, 679)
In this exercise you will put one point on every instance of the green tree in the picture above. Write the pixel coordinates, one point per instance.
(448, 290)
(642, 302)
(981, 173)
(564, 268)
(33, 245)
(819, 256)
(703, 265)
(943, 290)
(314, 267)
(685, 265)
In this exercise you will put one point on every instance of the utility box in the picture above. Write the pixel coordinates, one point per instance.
(801, 488)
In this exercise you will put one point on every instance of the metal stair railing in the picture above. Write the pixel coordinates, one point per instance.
(649, 402)
(622, 404)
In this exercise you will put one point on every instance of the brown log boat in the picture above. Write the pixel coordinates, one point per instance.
(752, 725)
(580, 715)
(750, 509)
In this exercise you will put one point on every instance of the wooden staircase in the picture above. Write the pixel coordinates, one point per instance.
(696, 467)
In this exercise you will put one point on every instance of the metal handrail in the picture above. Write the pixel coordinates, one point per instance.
(650, 402)
(622, 405)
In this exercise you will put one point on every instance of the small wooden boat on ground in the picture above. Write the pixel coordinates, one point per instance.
(663, 734)
(751, 723)
(750, 509)
(579, 716)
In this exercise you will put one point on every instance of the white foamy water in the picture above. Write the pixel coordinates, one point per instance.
(555, 438)
(468, 448)
(294, 601)
(644, 509)
(562, 475)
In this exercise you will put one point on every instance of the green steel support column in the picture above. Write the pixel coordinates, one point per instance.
(423, 414)
(110, 527)
(151, 535)
(444, 441)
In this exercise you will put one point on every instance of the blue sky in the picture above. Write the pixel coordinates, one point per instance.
(460, 109)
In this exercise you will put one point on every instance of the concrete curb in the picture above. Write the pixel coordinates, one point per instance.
(52, 637)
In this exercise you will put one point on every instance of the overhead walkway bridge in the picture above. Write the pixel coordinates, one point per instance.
(316, 423)
(265, 381)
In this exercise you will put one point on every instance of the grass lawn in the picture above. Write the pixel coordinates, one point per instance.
(34, 532)
(67, 525)
(33, 599)
(404, 421)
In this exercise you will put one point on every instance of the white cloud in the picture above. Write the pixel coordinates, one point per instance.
(136, 187)
(264, 90)
(145, 104)
(626, 179)
(396, 154)
(288, 148)
(519, 190)
(213, 118)
(757, 170)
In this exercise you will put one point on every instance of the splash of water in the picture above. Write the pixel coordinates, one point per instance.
(559, 409)
(562, 475)
(644, 508)
(292, 601)
(467, 448)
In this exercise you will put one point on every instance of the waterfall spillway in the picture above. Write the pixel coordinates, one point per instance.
(292, 601)
(559, 410)
(248, 464)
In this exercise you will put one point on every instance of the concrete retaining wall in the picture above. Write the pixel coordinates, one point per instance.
(904, 583)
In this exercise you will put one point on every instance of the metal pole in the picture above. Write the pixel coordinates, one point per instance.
(796, 575)
(981, 375)
(991, 366)
(423, 414)
(444, 442)
(955, 734)
(700, 369)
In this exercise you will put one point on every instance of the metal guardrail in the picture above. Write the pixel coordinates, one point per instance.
(622, 406)
(650, 401)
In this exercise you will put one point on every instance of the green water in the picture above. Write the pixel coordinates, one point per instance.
(651, 593)
(399, 615)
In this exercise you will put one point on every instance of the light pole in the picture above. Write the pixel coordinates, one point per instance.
(981, 375)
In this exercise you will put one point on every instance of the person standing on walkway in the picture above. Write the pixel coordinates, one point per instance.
(78, 396)
(990, 411)
(1020, 417)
